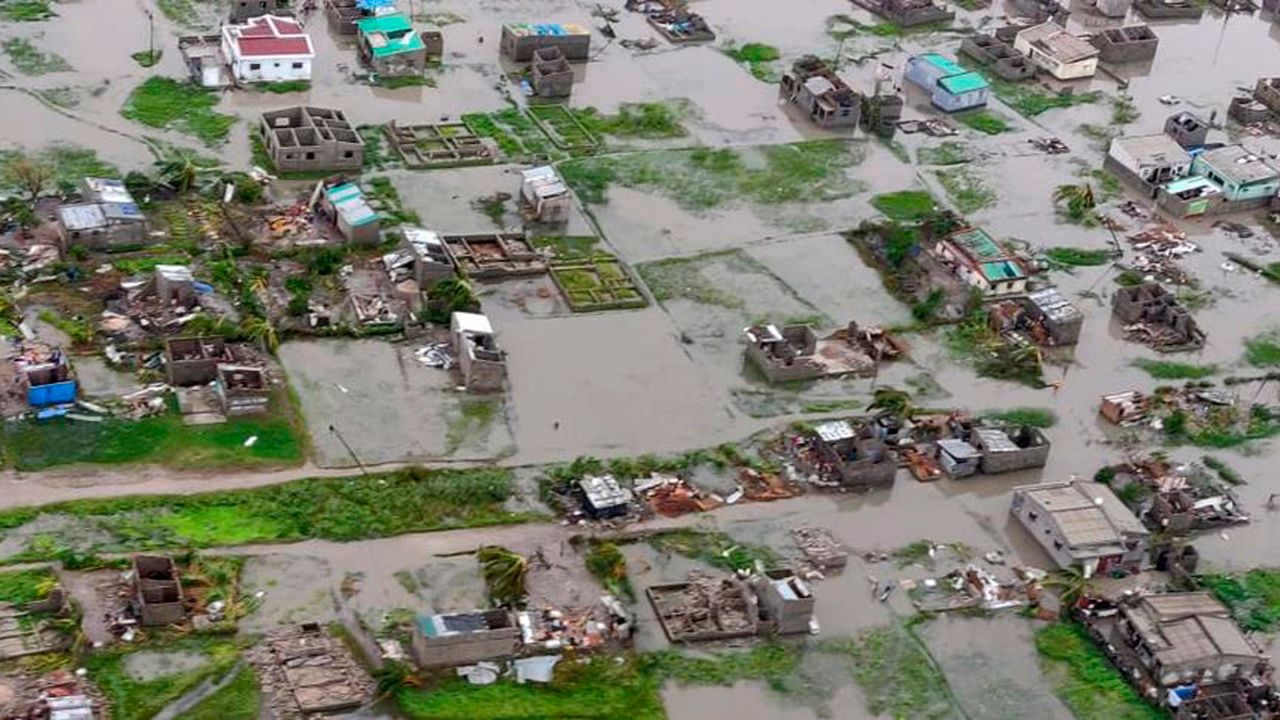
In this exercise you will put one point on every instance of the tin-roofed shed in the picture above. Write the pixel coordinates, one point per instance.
(950, 87)
(351, 213)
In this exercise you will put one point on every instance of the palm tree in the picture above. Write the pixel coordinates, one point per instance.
(260, 330)
(504, 574)
(180, 172)
(30, 174)
(892, 400)
(1071, 585)
(1078, 199)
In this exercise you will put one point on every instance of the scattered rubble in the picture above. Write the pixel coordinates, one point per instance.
(303, 671)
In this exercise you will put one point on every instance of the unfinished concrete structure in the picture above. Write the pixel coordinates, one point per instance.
(311, 139)
(1152, 315)
(175, 285)
(520, 40)
(429, 260)
(439, 145)
(157, 591)
(705, 608)
(1082, 523)
(1011, 449)
(307, 673)
(786, 602)
(1187, 129)
(482, 363)
(242, 10)
(1042, 317)
(998, 56)
(1169, 9)
(907, 13)
(794, 352)
(494, 256)
(822, 94)
(1267, 92)
(206, 65)
(1113, 8)
(1246, 110)
(195, 360)
(1040, 11)
(544, 196)
(1125, 44)
(881, 112)
(550, 74)
(343, 14)
(464, 638)
(242, 390)
(853, 457)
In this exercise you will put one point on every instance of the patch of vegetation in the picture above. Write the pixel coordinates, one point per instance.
(1077, 202)
(340, 509)
(1124, 111)
(1076, 257)
(949, 152)
(905, 205)
(758, 57)
(396, 82)
(237, 700)
(1030, 102)
(517, 136)
(568, 247)
(492, 206)
(384, 196)
(450, 295)
(166, 103)
(607, 563)
(147, 58)
(895, 672)
(975, 342)
(1222, 427)
(80, 330)
(1225, 472)
(283, 86)
(714, 548)
(474, 417)
(702, 179)
(504, 575)
(1263, 350)
(637, 120)
(986, 122)
(23, 586)
(25, 10)
(1086, 681)
(1173, 370)
(63, 97)
(683, 278)
(965, 188)
(134, 699)
(1253, 597)
(189, 13)
(31, 60)
(1035, 417)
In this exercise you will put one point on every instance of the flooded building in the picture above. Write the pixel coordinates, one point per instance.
(1147, 161)
(107, 218)
(1267, 92)
(907, 13)
(544, 197)
(520, 40)
(951, 88)
(1132, 43)
(204, 59)
(482, 363)
(822, 94)
(242, 390)
(976, 258)
(1152, 315)
(242, 10)
(1010, 450)
(1042, 317)
(794, 352)
(1169, 9)
(157, 590)
(1057, 52)
(958, 458)
(1082, 523)
(195, 360)
(1246, 110)
(1113, 8)
(464, 638)
(428, 256)
(345, 206)
(1187, 129)
(269, 48)
(495, 256)
(679, 25)
(853, 457)
(344, 14)
(1124, 408)
(603, 497)
(786, 602)
(705, 608)
(311, 139)
(1247, 179)
(390, 46)
(550, 74)
(998, 56)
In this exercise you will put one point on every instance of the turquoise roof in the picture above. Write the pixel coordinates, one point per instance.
(1001, 270)
(945, 64)
(963, 83)
(389, 34)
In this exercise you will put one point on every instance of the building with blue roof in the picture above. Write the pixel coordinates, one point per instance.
(978, 260)
(951, 88)
(346, 207)
(520, 40)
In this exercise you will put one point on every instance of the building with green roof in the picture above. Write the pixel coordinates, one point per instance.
(981, 262)
(950, 87)
(390, 46)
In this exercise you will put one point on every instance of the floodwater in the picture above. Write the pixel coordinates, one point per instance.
(670, 378)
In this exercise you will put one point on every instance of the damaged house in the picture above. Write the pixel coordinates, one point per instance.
(242, 10)
(544, 197)
(951, 88)
(520, 40)
(785, 600)
(107, 217)
(998, 56)
(390, 46)
(976, 258)
(1161, 9)
(1012, 449)
(46, 377)
(423, 258)
(1187, 129)
(550, 74)
(344, 205)
(1057, 52)
(1180, 500)
(1267, 92)
(707, 608)
(852, 458)
(156, 591)
(242, 390)
(1082, 523)
(603, 497)
(344, 14)
(794, 352)
(1132, 43)
(907, 13)
(495, 256)
(1147, 161)
(463, 638)
(1153, 316)
(195, 360)
(1041, 317)
(822, 94)
(958, 458)
(482, 363)
(311, 139)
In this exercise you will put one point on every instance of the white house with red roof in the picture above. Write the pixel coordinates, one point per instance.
(268, 48)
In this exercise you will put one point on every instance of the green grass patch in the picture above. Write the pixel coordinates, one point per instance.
(1263, 350)
(396, 82)
(1029, 101)
(517, 135)
(566, 247)
(1254, 597)
(1086, 681)
(1173, 370)
(1075, 257)
(714, 548)
(757, 57)
(986, 122)
(974, 342)
(607, 563)
(965, 188)
(949, 152)
(189, 13)
(147, 58)
(137, 266)
(63, 97)
(22, 586)
(1124, 111)
(28, 59)
(473, 417)
(905, 204)
(283, 86)
(649, 121)
(237, 700)
(896, 674)
(683, 278)
(170, 104)
(134, 699)
(25, 10)
(702, 179)
(1035, 417)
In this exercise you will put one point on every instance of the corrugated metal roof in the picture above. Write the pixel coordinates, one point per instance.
(964, 82)
(834, 430)
(945, 64)
(82, 217)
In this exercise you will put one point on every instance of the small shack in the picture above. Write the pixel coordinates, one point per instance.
(950, 87)
(520, 40)
(463, 638)
(482, 363)
(157, 590)
(344, 205)
(544, 197)
(550, 74)
(390, 46)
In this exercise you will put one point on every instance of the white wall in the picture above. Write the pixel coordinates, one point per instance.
(271, 69)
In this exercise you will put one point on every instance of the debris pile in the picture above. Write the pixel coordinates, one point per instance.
(973, 587)
(820, 548)
(705, 607)
(672, 496)
(59, 695)
(304, 671)
(1158, 249)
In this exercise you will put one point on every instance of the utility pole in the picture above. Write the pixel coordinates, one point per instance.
(151, 37)
(343, 440)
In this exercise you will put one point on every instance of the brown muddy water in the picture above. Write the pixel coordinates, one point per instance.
(670, 378)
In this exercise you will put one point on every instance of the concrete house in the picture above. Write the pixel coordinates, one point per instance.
(1082, 523)
(242, 10)
(1011, 449)
(1126, 44)
(520, 40)
(979, 261)
(906, 13)
(344, 205)
(1267, 92)
(1159, 9)
(1179, 638)
(856, 458)
(958, 458)
(951, 88)
(107, 218)
(1061, 320)
(1150, 305)
(242, 390)
(998, 56)
(1057, 52)
(390, 46)
(1148, 161)
(544, 197)
(550, 74)
(269, 48)
(1187, 129)
(785, 600)
(429, 255)
(822, 94)
(483, 364)
(195, 360)
(1246, 179)
(311, 139)
(464, 638)
(157, 590)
